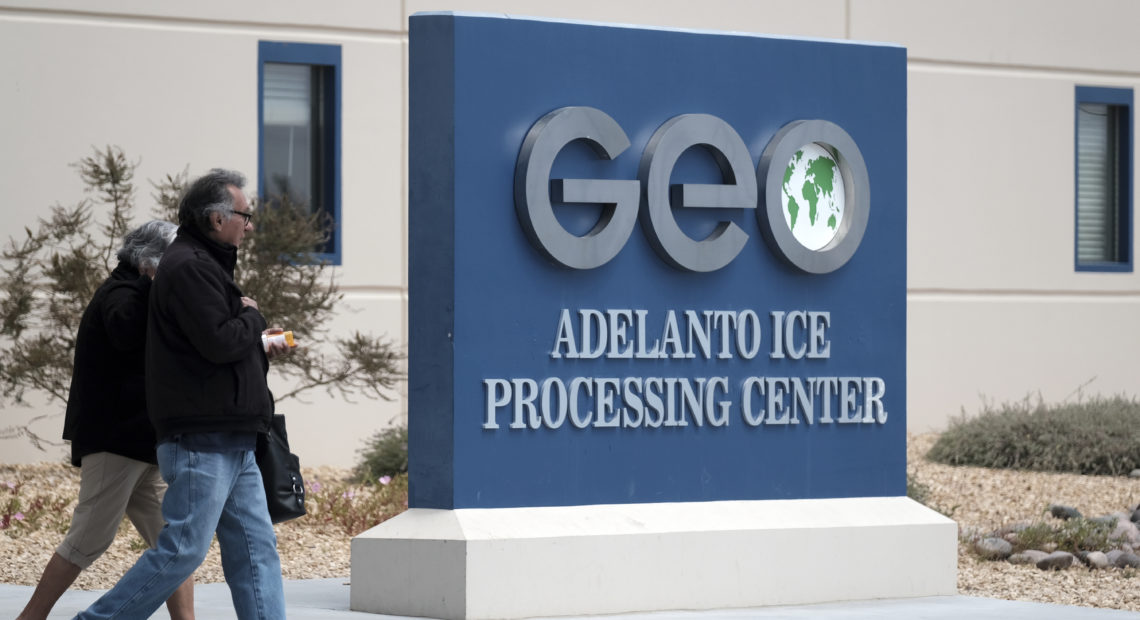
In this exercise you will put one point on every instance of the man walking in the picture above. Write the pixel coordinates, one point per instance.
(208, 399)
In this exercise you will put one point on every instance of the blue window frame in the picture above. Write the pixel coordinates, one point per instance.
(299, 123)
(1103, 154)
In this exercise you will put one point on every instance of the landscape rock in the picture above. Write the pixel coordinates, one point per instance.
(1127, 532)
(1135, 473)
(985, 500)
(992, 548)
(1127, 559)
(1016, 528)
(1136, 515)
(1064, 512)
(1029, 556)
(1113, 556)
(1058, 560)
(1096, 559)
(1109, 520)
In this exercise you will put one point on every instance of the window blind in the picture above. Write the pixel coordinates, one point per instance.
(1097, 193)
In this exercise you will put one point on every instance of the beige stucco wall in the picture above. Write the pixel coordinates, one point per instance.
(176, 86)
(995, 306)
(996, 310)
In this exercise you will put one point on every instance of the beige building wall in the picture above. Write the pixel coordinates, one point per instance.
(996, 308)
(175, 85)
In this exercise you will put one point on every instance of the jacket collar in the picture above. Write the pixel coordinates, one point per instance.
(224, 253)
(124, 271)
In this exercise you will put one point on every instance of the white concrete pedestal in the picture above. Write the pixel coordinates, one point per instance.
(577, 560)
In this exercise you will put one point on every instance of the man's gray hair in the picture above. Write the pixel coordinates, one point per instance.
(209, 194)
(143, 246)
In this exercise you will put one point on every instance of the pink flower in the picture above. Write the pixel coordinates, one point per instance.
(384, 480)
(10, 485)
(19, 516)
(315, 486)
(348, 494)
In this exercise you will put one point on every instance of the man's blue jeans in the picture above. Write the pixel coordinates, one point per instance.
(207, 492)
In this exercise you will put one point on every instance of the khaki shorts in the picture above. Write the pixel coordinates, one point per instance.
(110, 486)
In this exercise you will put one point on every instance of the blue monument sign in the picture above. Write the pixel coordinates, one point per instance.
(653, 265)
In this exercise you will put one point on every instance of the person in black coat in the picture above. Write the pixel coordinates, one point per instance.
(112, 439)
(208, 399)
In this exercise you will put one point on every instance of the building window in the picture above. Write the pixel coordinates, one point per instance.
(299, 135)
(1104, 179)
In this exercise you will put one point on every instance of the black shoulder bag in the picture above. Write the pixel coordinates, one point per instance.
(281, 473)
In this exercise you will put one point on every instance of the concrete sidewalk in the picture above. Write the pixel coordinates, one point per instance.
(327, 599)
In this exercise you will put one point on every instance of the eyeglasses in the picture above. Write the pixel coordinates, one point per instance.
(247, 216)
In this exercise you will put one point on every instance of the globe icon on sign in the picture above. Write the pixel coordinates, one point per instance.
(813, 196)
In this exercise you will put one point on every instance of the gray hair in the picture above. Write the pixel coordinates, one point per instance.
(209, 194)
(143, 246)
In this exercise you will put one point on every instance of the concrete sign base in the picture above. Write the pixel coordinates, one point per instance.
(603, 559)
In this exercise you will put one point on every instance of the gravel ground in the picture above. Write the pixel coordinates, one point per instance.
(986, 499)
(977, 498)
(308, 549)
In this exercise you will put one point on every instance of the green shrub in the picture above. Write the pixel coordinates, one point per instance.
(386, 454)
(49, 273)
(1073, 535)
(23, 511)
(1100, 436)
(355, 508)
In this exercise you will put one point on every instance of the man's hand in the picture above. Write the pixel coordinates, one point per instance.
(246, 301)
(276, 348)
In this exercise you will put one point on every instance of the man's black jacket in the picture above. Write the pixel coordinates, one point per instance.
(205, 363)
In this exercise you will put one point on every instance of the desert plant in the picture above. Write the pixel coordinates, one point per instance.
(1095, 436)
(386, 454)
(22, 512)
(48, 276)
(354, 508)
(1073, 535)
